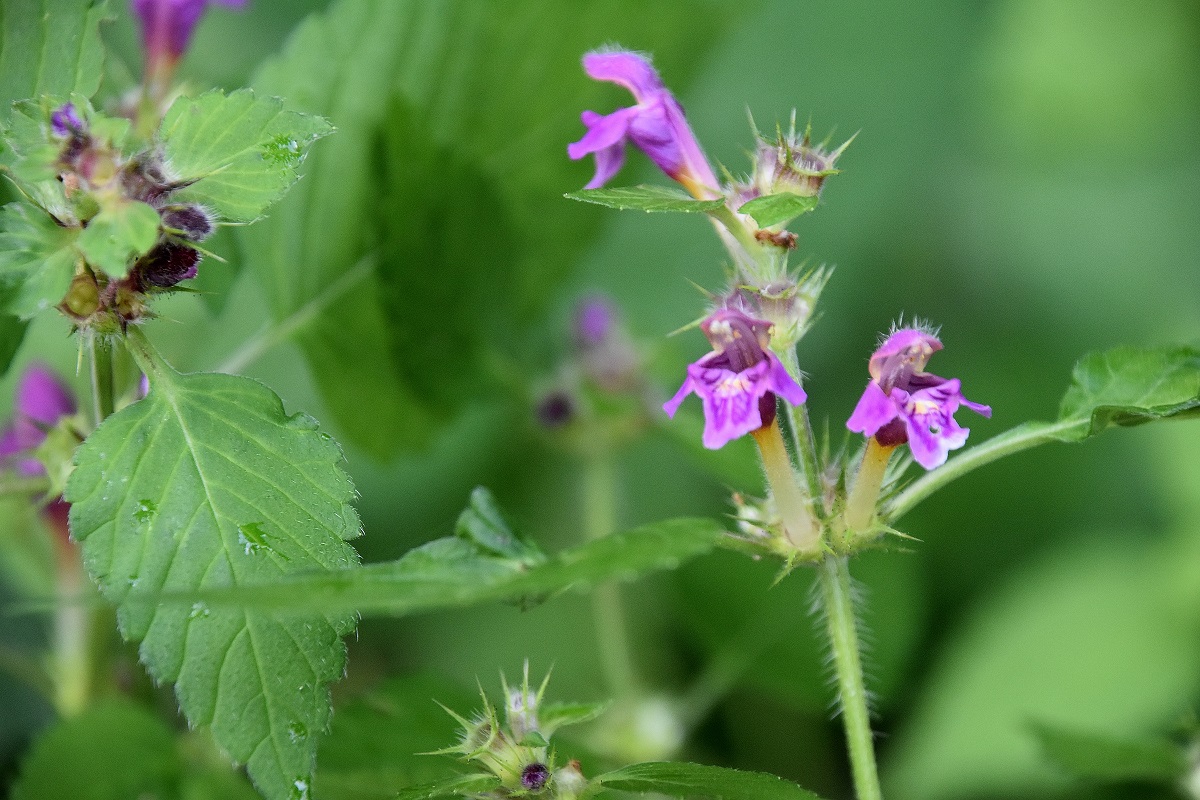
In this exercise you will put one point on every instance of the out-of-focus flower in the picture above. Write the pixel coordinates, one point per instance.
(41, 401)
(903, 403)
(65, 121)
(167, 27)
(738, 381)
(655, 124)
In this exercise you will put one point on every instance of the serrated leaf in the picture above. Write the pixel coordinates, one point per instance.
(206, 483)
(482, 523)
(50, 47)
(240, 152)
(772, 209)
(461, 166)
(120, 234)
(646, 198)
(680, 779)
(1129, 386)
(1108, 758)
(452, 788)
(37, 260)
(114, 750)
(453, 573)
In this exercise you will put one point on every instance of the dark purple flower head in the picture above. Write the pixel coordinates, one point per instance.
(655, 124)
(41, 401)
(65, 121)
(903, 403)
(167, 27)
(535, 776)
(738, 381)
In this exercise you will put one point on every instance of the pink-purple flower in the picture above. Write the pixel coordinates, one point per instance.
(738, 381)
(903, 403)
(41, 401)
(655, 124)
(167, 27)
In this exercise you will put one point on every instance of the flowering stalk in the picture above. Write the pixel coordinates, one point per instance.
(599, 520)
(842, 627)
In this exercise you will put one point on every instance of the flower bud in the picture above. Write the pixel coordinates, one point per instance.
(535, 776)
(190, 221)
(166, 265)
(83, 297)
(792, 165)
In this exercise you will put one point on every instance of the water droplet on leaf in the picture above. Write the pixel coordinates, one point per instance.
(199, 611)
(145, 510)
(297, 732)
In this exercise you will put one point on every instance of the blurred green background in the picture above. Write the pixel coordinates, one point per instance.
(1026, 175)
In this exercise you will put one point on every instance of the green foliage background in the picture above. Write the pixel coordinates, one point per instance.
(1025, 175)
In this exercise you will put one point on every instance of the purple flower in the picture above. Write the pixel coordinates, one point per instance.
(65, 120)
(656, 124)
(738, 381)
(594, 321)
(903, 403)
(41, 401)
(167, 27)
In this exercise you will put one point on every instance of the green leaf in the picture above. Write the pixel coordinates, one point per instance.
(1093, 634)
(239, 151)
(453, 573)
(483, 524)
(50, 47)
(553, 716)
(1130, 386)
(1122, 387)
(678, 779)
(452, 788)
(1111, 759)
(772, 209)
(37, 260)
(120, 234)
(376, 741)
(451, 171)
(12, 333)
(206, 483)
(646, 198)
(114, 750)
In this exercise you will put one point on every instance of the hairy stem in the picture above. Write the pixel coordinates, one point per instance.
(798, 522)
(599, 520)
(100, 373)
(843, 638)
(802, 438)
(860, 505)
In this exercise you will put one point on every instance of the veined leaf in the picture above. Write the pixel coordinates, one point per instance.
(37, 260)
(241, 151)
(414, 88)
(1123, 387)
(772, 209)
(453, 572)
(50, 47)
(119, 235)
(12, 331)
(206, 483)
(646, 198)
(679, 779)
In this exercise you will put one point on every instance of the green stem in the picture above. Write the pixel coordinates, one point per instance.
(101, 374)
(1023, 437)
(802, 439)
(843, 638)
(599, 520)
(72, 639)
